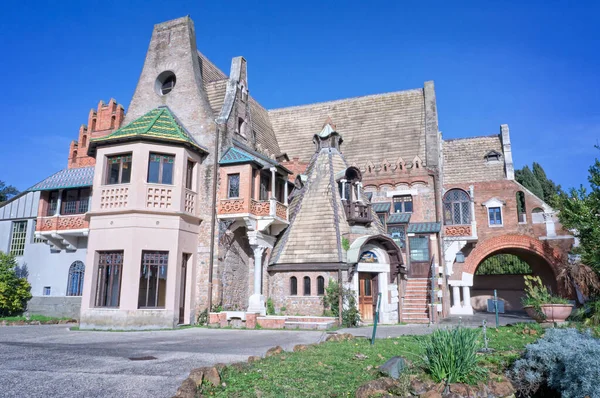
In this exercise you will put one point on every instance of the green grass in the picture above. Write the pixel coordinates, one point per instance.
(332, 370)
(39, 318)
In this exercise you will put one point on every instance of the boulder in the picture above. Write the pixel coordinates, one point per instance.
(197, 375)
(376, 388)
(463, 390)
(212, 376)
(187, 389)
(502, 388)
(430, 394)
(419, 387)
(253, 358)
(393, 367)
(300, 347)
(273, 351)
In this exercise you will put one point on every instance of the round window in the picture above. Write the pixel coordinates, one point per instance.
(165, 82)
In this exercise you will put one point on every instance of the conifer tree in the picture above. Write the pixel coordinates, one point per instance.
(526, 178)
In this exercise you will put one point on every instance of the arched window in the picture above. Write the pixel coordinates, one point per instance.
(112, 122)
(84, 141)
(457, 207)
(93, 128)
(293, 286)
(307, 286)
(74, 158)
(320, 285)
(75, 282)
(521, 208)
(537, 216)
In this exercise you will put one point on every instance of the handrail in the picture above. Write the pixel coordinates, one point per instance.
(432, 298)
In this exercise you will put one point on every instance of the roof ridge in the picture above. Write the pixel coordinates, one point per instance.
(205, 58)
(349, 99)
(471, 138)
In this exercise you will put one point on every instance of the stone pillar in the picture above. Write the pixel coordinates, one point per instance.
(285, 193)
(358, 198)
(273, 170)
(58, 203)
(256, 303)
(343, 189)
(467, 298)
(455, 296)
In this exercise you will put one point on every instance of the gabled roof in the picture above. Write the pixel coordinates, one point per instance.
(243, 150)
(157, 125)
(236, 156)
(424, 227)
(67, 178)
(399, 218)
(381, 207)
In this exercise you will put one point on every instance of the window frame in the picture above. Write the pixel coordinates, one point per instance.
(34, 239)
(402, 236)
(104, 293)
(81, 205)
(47, 291)
(448, 207)
(124, 158)
(320, 285)
(230, 178)
(161, 165)
(189, 174)
(52, 203)
(293, 286)
(18, 238)
(495, 212)
(77, 269)
(410, 248)
(402, 200)
(306, 288)
(267, 187)
(155, 262)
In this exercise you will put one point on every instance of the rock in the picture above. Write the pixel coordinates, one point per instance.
(360, 357)
(333, 337)
(419, 387)
(253, 358)
(463, 390)
(376, 388)
(197, 375)
(220, 367)
(212, 376)
(431, 394)
(239, 366)
(346, 336)
(187, 389)
(300, 347)
(502, 388)
(393, 367)
(274, 351)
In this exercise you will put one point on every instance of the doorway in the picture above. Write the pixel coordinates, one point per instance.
(367, 290)
(184, 260)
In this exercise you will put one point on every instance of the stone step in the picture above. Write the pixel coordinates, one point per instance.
(308, 325)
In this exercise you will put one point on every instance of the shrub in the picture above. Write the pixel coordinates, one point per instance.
(450, 355)
(350, 314)
(589, 314)
(565, 360)
(270, 307)
(15, 292)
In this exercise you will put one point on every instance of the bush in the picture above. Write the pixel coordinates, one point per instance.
(331, 300)
(589, 314)
(15, 292)
(565, 360)
(450, 355)
(270, 307)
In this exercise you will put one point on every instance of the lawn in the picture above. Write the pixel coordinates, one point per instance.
(333, 369)
(32, 318)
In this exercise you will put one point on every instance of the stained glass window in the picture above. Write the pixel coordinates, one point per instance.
(398, 234)
(233, 185)
(118, 169)
(160, 168)
(457, 207)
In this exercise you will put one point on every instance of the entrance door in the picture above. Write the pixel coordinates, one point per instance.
(365, 296)
(184, 260)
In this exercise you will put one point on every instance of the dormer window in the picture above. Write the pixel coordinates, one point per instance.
(493, 156)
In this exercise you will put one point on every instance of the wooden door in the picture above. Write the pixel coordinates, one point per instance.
(184, 261)
(365, 296)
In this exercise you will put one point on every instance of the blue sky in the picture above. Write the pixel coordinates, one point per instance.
(534, 66)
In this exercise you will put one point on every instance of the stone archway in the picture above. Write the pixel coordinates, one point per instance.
(543, 259)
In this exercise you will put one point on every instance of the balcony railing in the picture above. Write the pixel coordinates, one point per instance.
(61, 223)
(357, 213)
(458, 230)
(259, 208)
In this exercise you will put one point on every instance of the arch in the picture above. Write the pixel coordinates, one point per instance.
(84, 141)
(74, 158)
(383, 246)
(113, 122)
(306, 286)
(457, 207)
(75, 281)
(293, 286)
(520, 243)
(521, 207)
(320, 285)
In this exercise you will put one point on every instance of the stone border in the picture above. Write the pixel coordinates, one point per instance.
(36, 323)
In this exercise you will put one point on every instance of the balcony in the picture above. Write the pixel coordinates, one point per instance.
(466, 231)
(61, 231)
(357, 212)
(260, 213)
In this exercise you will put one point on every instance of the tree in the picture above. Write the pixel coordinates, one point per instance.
(550, 189)
(15, 292)
(526, 178)
(7, 191)
(580, 212)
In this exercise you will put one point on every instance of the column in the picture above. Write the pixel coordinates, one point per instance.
(343, 189)
(455, 296)
(59, 202)
(256, 303)
(285, 192)
(273, 170)
(467, 298)
(358, 197)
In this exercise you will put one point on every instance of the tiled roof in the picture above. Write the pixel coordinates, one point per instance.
(464, 160)
(381, 207)
(235, 156)
(158, 124)
(369, 195)
(67, 178)
(399, 218)
(424, 227)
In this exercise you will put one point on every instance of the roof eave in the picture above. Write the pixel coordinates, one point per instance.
(120, 140)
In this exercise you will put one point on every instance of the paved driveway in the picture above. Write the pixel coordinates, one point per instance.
(50, 361)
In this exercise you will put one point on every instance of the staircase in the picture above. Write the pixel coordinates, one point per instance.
(309, 322)
(416, 301)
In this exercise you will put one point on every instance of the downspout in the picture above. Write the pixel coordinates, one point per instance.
(211, 261)
(436, 184)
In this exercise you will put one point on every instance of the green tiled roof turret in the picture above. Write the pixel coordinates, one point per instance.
(157, 125)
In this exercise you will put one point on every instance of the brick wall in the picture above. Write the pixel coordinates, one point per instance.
(279, 291)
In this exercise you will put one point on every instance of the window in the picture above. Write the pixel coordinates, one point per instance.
(495, 215)
(47, 290)
(34, 239)
(293, 286)
(168, 84)
(320, 285)
(419, 248)
(119, 169)
(521, 207)
(264, 188)
(241, 127)
(382, 218)
(84, 141)
(75, 201)
(493, 156)
(17, 238)
(153, 279)
(108, 284)
(52, 203)
(233, 185)
(403, 204)
(457, 207)
(189, 174)
(93, 125)
(307, 286)
(113, 120)
(74, 158)
(75, 282)
(398, 234)
(160, 168)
